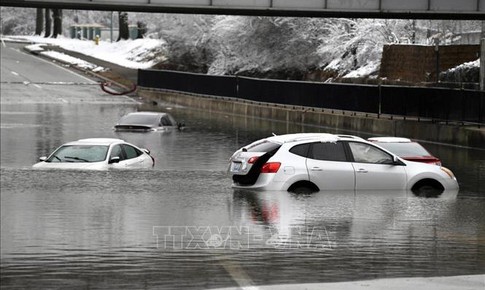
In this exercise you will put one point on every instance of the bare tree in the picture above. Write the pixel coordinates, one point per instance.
(57, 15)
(48, 22)
(142, 29)
(124, 32)
(39, 21)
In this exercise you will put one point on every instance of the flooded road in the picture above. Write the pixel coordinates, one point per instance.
(181, 226)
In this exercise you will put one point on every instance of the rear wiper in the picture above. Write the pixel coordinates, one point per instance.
(76, 158)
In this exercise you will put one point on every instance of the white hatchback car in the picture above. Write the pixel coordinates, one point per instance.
(318, 161)
(98, 154)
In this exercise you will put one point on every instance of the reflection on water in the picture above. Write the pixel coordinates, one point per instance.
(181, 225)
(179, 229)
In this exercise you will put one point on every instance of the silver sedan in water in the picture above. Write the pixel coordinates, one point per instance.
(97, 154)
(147, 121)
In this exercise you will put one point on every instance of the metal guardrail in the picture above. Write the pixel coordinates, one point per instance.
(436, 104)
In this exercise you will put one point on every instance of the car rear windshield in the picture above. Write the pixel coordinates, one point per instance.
(405, 149)
(140, 119)
(264, 146)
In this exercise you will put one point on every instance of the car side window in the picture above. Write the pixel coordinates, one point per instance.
(365, 153)
(300, 150)
(116, 152)
(165, 121)
(328, 151)
(131, 152)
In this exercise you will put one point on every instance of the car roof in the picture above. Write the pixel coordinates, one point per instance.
(147, 113)
(96, 141)
(322, 137)
(390, 139)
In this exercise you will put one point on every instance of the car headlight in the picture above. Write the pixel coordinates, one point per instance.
(449, 172)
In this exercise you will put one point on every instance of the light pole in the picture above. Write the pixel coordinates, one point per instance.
(437, 53)
(482, 64)
(111, 28)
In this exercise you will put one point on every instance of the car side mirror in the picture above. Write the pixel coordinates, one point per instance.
(43, 158)
(396, 161)
(115, 159)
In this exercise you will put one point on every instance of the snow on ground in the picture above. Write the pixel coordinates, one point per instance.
(364, 71)
(145, 53)
(64, 58)
(136, 54)
(470, 64)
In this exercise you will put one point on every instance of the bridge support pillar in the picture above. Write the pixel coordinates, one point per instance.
(482, 64)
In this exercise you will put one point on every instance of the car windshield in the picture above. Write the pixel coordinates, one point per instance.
(405, 149)
(79, 153)
(138, 119)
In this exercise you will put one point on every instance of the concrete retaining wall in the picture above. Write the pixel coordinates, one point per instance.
(372, 124)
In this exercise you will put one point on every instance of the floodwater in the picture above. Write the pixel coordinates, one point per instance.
(181, 226)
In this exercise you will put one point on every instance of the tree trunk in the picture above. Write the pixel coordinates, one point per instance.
(142, 29)
(48, 22)
(57, 13)
(124, 32)
(39, 21)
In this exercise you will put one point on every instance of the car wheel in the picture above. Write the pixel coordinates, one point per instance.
(428, 190)
(303, 187)
(303, 190)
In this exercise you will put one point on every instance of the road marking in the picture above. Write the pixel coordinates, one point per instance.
(37, 86)
(57, 65)
(237, 273)
(14, 73)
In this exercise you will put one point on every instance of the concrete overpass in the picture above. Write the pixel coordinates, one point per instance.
(404, 9)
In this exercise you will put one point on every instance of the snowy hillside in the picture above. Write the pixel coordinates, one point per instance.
(271, 47)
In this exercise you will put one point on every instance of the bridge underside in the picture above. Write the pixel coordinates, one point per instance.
(393, 9)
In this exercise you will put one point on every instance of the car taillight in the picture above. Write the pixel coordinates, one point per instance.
(270, 167)
(253, 159)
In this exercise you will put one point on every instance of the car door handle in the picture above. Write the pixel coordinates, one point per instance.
(316, 169)
(362, 170)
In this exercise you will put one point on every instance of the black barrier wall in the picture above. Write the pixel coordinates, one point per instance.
(189, 82)
(430, 103)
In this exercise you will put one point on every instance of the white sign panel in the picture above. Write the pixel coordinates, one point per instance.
(353, 4)
(408, 5)
(302, 4)
(182, 2)
(453, 5)
(242, 3)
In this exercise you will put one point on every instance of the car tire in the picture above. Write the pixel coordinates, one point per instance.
(303, 190)
(427, 190)
(303, 187)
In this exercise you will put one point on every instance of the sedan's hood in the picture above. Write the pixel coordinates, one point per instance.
(424, 159)
(71, 165)
(134, 128)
